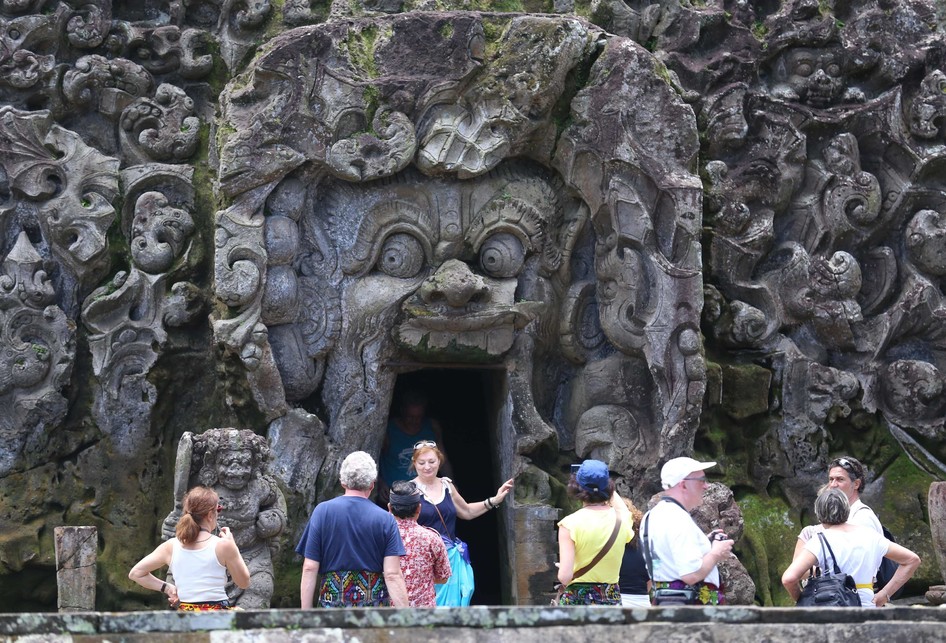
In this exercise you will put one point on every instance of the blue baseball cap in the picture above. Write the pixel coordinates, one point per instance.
(593, 476)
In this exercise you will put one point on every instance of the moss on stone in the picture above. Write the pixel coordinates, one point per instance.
(745, 390)
(494, 32)
(361, 43)
(767, 545)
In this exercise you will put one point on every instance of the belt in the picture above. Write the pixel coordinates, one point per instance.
(864, 586)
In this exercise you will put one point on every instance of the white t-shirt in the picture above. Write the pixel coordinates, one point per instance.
(677, 544)
(860, 514)
(863, 515)
(858, 554)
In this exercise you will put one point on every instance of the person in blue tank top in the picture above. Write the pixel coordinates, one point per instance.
(440, 507)
(403, 431)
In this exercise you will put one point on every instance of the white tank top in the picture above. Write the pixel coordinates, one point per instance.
(198, 575)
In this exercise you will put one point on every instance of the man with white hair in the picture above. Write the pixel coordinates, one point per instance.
(681, 556)
(354, 544)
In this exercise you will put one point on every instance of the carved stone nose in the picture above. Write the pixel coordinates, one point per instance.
(455, 284)
(821, 78)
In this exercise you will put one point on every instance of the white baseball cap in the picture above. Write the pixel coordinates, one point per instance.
(677, 469)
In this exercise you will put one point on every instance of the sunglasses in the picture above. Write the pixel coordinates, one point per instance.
(847, 465)
(424, 443)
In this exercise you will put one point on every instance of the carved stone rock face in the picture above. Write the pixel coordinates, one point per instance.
(813, 76)
(465, 275)
(380, 222)
(158, 232)
(395, 189)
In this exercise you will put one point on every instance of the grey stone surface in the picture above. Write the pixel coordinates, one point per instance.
(491, 624)
(76, 549)
(666, 227)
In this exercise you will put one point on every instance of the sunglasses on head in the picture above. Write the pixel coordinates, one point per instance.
(847, 465)
(424, 443)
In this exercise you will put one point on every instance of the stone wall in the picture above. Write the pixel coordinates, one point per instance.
(710, 228)
(743, 625)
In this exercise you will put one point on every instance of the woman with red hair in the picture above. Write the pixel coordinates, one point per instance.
(198, 560)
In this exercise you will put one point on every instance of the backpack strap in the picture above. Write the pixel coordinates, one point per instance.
(648, 549)
(648, 552)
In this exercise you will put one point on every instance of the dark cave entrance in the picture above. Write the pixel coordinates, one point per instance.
(466, 403)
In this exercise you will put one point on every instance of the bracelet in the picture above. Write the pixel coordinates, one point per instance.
(163, 586)
(489, 504)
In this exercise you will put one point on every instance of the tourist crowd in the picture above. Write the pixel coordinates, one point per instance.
(357, 553)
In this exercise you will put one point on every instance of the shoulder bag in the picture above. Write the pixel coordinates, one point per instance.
(458, 590)
(829, 588)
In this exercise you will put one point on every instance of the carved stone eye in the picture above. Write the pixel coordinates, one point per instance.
(402, 256)
(803, 68)
(502, 256)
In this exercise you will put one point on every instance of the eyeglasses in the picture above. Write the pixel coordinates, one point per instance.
(424, 443)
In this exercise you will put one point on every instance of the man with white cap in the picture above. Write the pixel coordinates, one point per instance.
(682, 557)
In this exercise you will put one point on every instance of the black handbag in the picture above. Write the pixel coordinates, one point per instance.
(829, 588)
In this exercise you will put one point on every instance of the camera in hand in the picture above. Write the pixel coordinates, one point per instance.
(720, 536)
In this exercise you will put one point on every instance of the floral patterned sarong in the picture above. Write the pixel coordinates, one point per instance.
(590, 594)
(210, 606)
(353, 589)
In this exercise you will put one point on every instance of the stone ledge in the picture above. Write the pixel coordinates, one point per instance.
(468, 623)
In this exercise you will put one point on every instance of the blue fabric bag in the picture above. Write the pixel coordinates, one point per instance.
(458, 590)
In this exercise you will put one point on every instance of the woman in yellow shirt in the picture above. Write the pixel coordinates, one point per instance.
(591, 540)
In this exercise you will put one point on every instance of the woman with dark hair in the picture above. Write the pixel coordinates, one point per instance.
(198, 560)
(440, 507)
(858, 551)
(425, 562)
(591, 540)
(633, 579)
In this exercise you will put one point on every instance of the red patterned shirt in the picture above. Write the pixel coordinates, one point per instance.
(425, 560)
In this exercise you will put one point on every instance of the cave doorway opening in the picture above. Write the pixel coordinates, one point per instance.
(467, 402)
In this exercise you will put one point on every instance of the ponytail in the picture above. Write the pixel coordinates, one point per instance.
(198, 503)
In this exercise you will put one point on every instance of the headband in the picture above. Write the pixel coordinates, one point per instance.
(402, 499)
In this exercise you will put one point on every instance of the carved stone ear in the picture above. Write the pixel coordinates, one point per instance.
(580, 330)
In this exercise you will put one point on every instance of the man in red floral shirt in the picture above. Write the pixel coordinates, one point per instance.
(425, 562)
